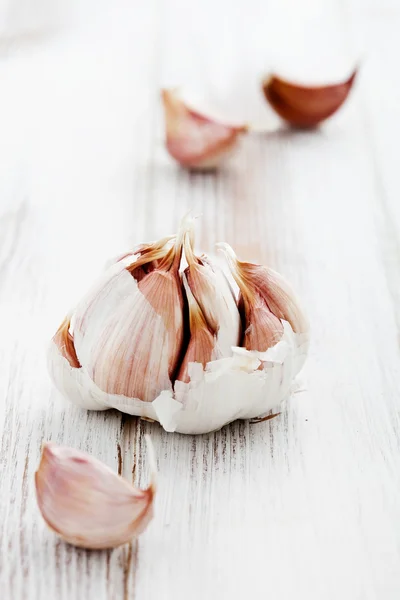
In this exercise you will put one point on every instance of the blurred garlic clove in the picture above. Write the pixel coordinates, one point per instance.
(195, 140)
(215, 297)
(203, 346)
(305, 106)
(266, 300)
(86, 503)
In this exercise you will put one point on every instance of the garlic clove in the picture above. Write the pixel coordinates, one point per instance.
(215, 297)
(86, 503)
(202, 347)
(280, 296)
(193, 139)
(266, 300)
(140, 344)
(129, 332)
(262, 328)
(303, 106)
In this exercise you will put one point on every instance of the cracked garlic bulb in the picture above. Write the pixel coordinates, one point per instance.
(169, 340)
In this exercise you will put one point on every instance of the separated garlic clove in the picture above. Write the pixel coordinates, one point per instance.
(214, 296)
(86, 503)
(266, 300)
(303, 106)
(193, 139)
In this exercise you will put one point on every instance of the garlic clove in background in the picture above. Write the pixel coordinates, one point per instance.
(305, 106)
(193, 139)
(86, 503)
(193, 380)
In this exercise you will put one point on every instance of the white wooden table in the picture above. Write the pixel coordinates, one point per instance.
(306, 506)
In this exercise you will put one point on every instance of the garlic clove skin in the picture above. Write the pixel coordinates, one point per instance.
(65, 343)
(267, 300)
(203, 346)
(305, 106)
(128, 331)
(281, 298)
(262, 328)
(194, 140)
(138, 351)
(247, 385)
(201, 405)
(215, 298)
(86, 503)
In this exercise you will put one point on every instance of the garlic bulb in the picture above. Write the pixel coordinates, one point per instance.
(86, 503)
(305, 106)
(193, 139)
(168, 346)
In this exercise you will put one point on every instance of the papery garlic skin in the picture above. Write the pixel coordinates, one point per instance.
(246, 386)
(228, 389)
(195, 140)
(66, 343)
(215, 298)
(267, 301)
(305, 106)
(203, 345)
(123, 321)
(86, 503)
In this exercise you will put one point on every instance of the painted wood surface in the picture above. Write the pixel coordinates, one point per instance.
(306, 505)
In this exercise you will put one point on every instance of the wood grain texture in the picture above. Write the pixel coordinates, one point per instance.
(306, 505)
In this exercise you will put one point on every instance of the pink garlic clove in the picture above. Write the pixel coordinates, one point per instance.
(86, 503)
(193, 139)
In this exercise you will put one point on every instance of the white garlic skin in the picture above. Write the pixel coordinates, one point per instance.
(229, 389)
(223, 306)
